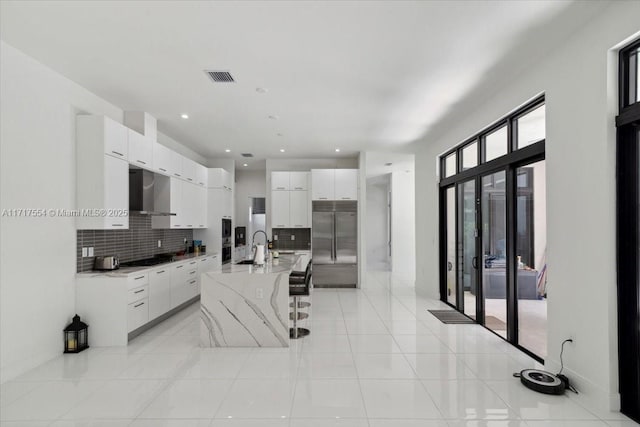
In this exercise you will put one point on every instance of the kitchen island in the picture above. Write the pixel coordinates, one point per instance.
(247, 305)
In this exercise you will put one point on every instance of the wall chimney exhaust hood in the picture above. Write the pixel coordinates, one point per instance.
(141, 193)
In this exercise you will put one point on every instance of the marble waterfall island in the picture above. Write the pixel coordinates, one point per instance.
(247, 305)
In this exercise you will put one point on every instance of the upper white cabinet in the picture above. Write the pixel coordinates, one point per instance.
(346, 184)
(219, 178)
(176, 164)
(140, 150)
(280, 209)
(162, 159)
(168, 198)
(289, 181)
(334, 184)
(280, 181)
(201, 175)
(322, 184)
(298, 181)
(299, 209)
(188, 169)
(102, 184)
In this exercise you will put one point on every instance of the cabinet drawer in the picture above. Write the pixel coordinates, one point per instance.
(137, 314)
(136, 294)
(137, 280)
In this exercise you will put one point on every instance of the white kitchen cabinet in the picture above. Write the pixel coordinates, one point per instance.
(323, 184)
(200, 207)
(334, 184)
(219, 178)
(280, 181)
(159, 292)
(298, 209)
(137, 314)
(298, 181)
(162, 159)
(102, 184)
(176, 164)
(140, 150)
(346, 184)
(201, 175)
(280, 209)
(189, 205)
(168, 198)
(183, 282)
(100, 133)
(188, 170)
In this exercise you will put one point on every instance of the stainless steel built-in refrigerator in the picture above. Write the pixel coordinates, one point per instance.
(334, 244)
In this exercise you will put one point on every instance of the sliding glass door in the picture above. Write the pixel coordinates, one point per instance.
(493, 228)
(494, 251)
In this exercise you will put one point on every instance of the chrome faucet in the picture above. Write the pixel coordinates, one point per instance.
(266, 243)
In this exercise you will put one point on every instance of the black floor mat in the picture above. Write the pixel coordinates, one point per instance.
(451, 316)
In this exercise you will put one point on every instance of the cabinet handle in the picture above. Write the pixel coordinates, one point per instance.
(192, 263)
(117, 225)
(189, 225)
(137, 292)
(201, 183)
(298, 188)
(279, 188)
(160, 272)
(119, 154)
(179, 266)
(140, 161)
(177, 174)
(189, 179)
(162, 169)
(322, 198)
(201, 225)
(297, 225)
(138, 305)
(177, 225)
(280, 225)
(192, 282)
(138, 278)
(346, 198)
(192, 272)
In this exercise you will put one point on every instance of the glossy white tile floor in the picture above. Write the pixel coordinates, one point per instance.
(375, 358)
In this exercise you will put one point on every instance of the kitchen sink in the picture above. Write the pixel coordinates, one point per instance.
(246, 261)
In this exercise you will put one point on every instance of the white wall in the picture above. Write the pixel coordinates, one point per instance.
(250, 183)
(403, 231)
(579, 79)
(38, 163)
(377, 214)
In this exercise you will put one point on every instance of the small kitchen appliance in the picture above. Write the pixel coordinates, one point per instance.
(111, 262)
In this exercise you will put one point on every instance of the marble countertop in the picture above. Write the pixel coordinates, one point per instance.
(282, 264)
(127, 271)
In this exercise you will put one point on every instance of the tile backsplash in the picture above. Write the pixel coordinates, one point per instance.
(301, 242)
(138, 242)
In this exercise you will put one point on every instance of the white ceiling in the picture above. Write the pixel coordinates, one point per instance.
(351, 75)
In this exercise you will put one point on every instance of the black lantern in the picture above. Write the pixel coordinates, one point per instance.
(76, 336)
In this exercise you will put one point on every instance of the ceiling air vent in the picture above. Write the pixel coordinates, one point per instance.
(247, 155)
(220, 76)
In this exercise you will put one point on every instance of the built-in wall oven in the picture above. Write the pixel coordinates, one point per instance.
(226, 240)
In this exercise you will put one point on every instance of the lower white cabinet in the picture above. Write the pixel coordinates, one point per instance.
(115, 305)
(159, 292)
(137, 314)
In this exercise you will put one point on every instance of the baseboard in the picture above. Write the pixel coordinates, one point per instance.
(590, 395)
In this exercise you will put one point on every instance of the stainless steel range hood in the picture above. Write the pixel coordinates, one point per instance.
(141, 193)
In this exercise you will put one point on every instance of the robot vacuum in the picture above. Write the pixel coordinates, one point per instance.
(541, 381)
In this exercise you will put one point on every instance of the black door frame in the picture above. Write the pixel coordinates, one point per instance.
(628, 236)
(509, 163)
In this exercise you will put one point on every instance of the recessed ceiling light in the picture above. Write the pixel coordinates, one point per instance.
(184, 116)
(227, 151)
(282, 150)
(337, 150)
(261, 90)
(274, 117)
(245, 165)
